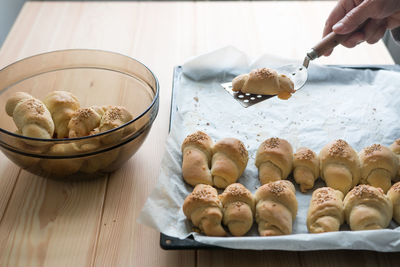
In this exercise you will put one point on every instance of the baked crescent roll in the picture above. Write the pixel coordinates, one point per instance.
(395, 147)
(62, 167)
(228, 161)
(379, 166)
(276, 208)
(367, 207)
(62, 106)
(204, 209)
(340, 166)
(238, 206)
(30, 115)
(85, 120)
(394, 196)
(274, 160)
(326, 212)
(306, 168)
(264, 81)
(197, 153)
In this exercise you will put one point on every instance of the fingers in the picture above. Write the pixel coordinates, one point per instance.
(355, 39)
(354, 18)
(338, 12)
(374, 30)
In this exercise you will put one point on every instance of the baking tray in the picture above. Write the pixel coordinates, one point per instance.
(173, 243)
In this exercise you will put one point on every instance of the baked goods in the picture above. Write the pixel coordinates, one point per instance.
(305, 168)
(228, 161)
(197, 154)
(326, 212)
(204, 209)
(264, 81)
(61, 105)
(274, 160)
(85, 120)
(367, 207)
(340, 166)
(394, 196)
(395, 147)
(30, 115)
(276, 208)
(238, 207)
(379, 166)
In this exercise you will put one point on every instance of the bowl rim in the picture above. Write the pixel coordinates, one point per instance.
(61, 140)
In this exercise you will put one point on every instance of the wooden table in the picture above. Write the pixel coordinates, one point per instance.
(48, 223)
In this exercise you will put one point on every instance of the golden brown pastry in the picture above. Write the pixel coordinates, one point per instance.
(85, 120)
(306, 168)
(379, 166)
(228, 161)
(204, 209)
(264, 81)
(238, 207)
(394, 196)
(395, 147)
(276, 208)
(367, 208)
(30, 115)
(197, 154)
(340, 166)
(113, 117)
(62, 106)
(274, 160)
(326, 211)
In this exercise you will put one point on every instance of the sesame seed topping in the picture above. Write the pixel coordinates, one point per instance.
(304, 154)
(364, 191)
(264, 73)
(371, 149)
(338, 148)
(196, 137)
(35, 105)
(271, 143)
(276, 188)
(323, 195)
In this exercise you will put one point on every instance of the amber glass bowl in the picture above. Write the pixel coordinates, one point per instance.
(95, 78)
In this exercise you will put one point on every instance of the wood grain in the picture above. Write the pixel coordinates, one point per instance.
(47, 223)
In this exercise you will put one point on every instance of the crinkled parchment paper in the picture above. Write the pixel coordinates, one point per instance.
(359, 106)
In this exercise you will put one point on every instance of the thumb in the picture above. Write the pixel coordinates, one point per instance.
(353, 19)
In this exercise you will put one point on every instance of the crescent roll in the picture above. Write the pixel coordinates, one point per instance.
(274, 160)
(204, 209)
(326, 212)
(30, 115)
(264, 81)
(306, 168)
(85, 120)
(238, 206)
(276, 208)
(62, 106)
(367, 207)
(379, 166)
(395, 147)
(229, 160)
(394, 196)
(340, 166)
(197, 154)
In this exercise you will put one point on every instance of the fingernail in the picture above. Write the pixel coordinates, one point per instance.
(338, 26)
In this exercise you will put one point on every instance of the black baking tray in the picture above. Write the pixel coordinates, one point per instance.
(173, 243)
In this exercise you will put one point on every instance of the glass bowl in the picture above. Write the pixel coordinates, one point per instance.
(95, 78)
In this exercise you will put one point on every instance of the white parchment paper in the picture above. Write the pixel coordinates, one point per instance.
(359, 106)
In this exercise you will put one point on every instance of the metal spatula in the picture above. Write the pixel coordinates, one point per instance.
(297, 73)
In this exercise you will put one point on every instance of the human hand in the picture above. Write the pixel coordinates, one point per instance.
(368, 19)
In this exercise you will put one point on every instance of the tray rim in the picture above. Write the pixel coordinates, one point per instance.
(173, 243)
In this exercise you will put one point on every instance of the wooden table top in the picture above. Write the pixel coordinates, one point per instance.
(48, 223)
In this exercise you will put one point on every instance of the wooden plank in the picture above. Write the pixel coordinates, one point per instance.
(51, 223)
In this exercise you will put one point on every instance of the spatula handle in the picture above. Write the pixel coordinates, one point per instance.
(329, 42)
